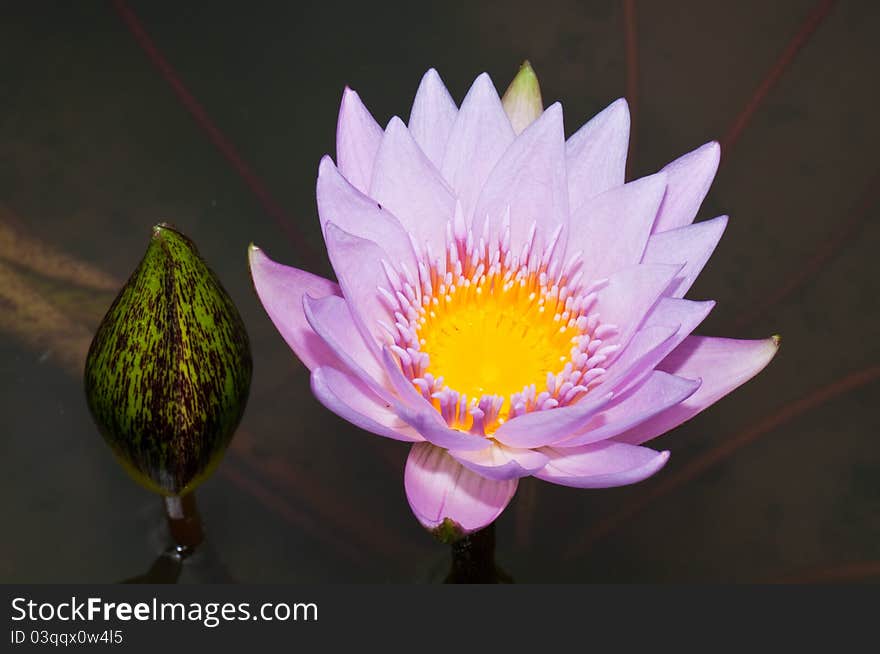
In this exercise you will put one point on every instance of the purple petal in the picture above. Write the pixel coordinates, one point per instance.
(601, 465)
(690, 177)
(480, 135)
(530, 181)
(439, 488)
(433, 114)
(545, 427)
(636, 361)
(342, 204)
(649, 349)
(691, 245)
(595, 155)
(501, 462)
(611, 230)
(659, 392)
(722, 363)
(281, 290)
(416, 411)
(351, 400)
(407, 184)
(357, 140)
(542, 427)
(630, 295)
(358, 266)
(331, 319)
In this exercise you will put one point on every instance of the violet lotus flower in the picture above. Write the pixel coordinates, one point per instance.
(506, 302)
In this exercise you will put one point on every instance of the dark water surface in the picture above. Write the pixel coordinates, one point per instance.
(781, 480)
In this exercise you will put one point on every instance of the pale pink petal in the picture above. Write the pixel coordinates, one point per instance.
(500, 462)
(595, 155)
(722, 363)
(657, 393)
(691, 245)
(281, 290)
(601, 465)
(611, 230)
(330, 317)
(433, 114)
(358, 266)
(357, 140)
(439, 488)
(480, 135)
(630, 295)
(529, 181)
(690, 177)
(351, 400)
(406, 183)
(343, 205)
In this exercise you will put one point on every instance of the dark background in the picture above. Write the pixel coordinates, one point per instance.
(779, 481)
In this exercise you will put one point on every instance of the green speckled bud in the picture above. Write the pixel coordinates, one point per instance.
(168, 372)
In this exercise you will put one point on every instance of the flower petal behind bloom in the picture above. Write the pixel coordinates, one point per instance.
(505, 301)
(440, 490)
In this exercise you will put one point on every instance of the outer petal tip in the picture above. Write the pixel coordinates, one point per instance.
(777, 340)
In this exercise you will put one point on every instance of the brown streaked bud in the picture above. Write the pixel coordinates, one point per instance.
(168, 372)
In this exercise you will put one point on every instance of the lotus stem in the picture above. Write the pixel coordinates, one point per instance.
(184, 523)
(473, 559)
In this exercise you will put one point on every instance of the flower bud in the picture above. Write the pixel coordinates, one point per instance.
(522, 99)
(169, 369)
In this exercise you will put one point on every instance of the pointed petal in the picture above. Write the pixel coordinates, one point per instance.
(522, 100)
(630, 295)
(530, 181)
(659, 392)
(722, 363)
(501, 462)
(432, 116)
(331, 319)
(407, 184)
(691, 245)
(690, 177)
(601, 465)
(342, 204)
(358, 266)
(611, 230)
(596, 154)
(440, 488)
(351, 400)
(281, 289)
(357, 140)
(638, 358)
(480, 135)
(650, 346)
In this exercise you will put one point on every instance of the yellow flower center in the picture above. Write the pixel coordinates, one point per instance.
(495, 338)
